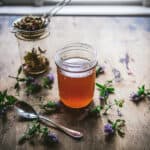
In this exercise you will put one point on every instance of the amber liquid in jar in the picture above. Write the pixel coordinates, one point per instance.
(76, 89)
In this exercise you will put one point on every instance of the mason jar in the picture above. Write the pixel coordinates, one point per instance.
(76, 72)
(33, 47)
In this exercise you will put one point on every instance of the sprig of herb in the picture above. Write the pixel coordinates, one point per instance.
(113, 127)
(47, 81)
(6, 101)
(106, 108)
(140, 94)
(51, 106)
(33, 86)
(17, 85)
(36, 130)
(95, 111)
(105, 90)
(118, 103)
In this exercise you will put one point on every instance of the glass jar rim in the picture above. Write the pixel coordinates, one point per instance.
(72, 47)
(26, 37)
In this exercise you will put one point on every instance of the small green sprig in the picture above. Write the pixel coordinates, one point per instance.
(6, 101)
(106, 108)
(48, 81)
(33, 88)
(95, 111)
(140, 94)
(33, 85)
(113, 127)
(50, 106)
(105, 90)
(36, 130)
(17, 85)
(118, 103)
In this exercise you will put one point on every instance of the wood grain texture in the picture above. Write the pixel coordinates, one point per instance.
(112, 37)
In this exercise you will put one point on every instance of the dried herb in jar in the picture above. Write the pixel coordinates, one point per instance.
(35, 61)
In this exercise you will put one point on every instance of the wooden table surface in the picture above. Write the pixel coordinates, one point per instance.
(112, 37)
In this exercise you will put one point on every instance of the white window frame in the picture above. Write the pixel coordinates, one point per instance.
(73, 2)
(80, 8)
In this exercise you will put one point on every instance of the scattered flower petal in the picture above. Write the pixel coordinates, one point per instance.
(117, 75)
(119, 113)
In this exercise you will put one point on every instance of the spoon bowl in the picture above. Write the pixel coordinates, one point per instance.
(25, 110)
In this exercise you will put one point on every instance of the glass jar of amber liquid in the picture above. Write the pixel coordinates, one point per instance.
(76, 71)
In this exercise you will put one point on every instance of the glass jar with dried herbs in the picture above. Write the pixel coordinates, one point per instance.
(33, 45)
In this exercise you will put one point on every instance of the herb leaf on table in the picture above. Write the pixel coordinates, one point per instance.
(95, 111)
(33, 85)
(113, 127)
(100, 70)
(51, 106)
(37, 130)
(6, 101)
(105, 90)
(140, 94)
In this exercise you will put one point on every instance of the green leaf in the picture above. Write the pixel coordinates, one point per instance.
(109, 121)
(109, 81)
(141, 90)
(120, 123)
(100, 86)
(119, 102)
(105, 89)
(50, 107)
(17, 86)
(110, 89)
(47, 83)
(121, 132)
(6, 100)
(11, 99)
(96, 109)
(19, 70)
(51, 104)
(33, 88)
(103, 93)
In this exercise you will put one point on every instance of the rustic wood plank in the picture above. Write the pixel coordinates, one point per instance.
(113, 38)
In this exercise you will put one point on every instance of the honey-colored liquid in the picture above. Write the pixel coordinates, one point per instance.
(76, 89)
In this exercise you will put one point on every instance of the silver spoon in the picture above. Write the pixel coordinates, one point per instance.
(25, 110)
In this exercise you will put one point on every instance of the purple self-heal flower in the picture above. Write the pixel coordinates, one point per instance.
(50, 77)
(52, 137)
(108, 129)
(135, 97)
